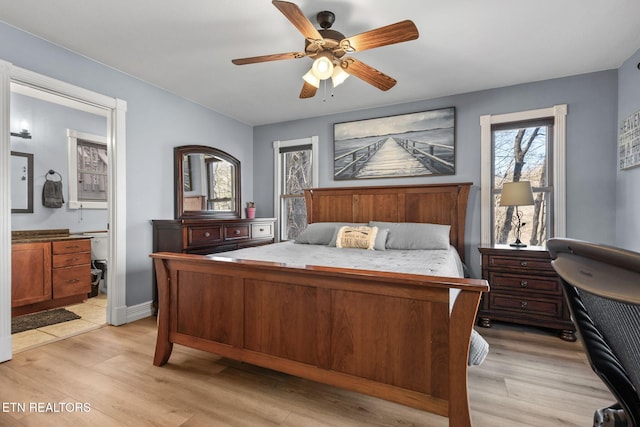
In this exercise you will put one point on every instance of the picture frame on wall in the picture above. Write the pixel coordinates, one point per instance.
(629, 145)
(405, 145)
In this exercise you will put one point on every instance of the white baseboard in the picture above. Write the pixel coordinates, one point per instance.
(140, 311)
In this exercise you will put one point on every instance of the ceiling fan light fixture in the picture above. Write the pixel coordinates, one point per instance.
(339, 76)
(322, 68)
(311, 79)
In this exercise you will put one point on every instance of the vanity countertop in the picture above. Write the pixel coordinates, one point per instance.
(33, 236)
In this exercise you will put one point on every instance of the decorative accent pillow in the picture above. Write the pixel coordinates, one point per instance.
(378, 245)
(412, 235)
(320, 233)
(361, 237)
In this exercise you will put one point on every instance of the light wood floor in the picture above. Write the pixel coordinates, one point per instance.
(530, 378)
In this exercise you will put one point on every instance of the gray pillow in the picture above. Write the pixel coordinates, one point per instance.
(412, 235)
(318, 233)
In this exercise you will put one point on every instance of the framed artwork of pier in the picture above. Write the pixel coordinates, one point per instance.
(406, 145)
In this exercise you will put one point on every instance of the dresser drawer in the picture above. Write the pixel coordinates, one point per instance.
(521, 263)
(67, 260)
(261, 231)
(523, 305)
(524, 283)
(234, 232)
(71, 281)
(199, 236)
(71, 246)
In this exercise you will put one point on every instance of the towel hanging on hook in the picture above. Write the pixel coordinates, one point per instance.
(52, 191)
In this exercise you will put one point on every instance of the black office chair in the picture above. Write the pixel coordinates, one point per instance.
(602, 288)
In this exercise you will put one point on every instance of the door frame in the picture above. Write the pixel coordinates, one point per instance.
(115, 112)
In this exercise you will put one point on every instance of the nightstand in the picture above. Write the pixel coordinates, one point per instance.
(524, 289)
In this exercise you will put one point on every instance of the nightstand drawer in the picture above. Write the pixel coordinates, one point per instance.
(520, 263)
(261, 231)
(198, 236)
(525, 283)
(523, 305)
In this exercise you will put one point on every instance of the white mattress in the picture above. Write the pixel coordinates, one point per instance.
(430, 262)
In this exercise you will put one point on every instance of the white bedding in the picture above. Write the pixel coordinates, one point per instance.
(430, 262)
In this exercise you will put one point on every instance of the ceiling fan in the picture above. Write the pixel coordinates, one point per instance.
(328, 48)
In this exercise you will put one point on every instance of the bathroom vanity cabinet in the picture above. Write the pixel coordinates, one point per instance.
(48, 270)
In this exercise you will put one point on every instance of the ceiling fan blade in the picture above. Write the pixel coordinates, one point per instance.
(399, 32)
(297, 18)
(368, 74)
(308, 91)
(267, 58)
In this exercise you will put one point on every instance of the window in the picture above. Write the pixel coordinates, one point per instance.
(221, 179)
(296, 170)
(88, 170)
(522, 152)
(525, 146)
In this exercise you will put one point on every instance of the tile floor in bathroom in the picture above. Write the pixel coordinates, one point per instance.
(93, 313)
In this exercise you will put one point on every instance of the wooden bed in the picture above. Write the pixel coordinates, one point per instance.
(389, 335)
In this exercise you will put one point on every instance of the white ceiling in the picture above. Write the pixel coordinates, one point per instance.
(186, 46)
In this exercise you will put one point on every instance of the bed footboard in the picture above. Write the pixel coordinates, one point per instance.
(384, 334)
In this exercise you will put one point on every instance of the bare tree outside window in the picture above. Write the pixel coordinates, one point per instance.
(221, 178)
(297, 176)
(521, 152)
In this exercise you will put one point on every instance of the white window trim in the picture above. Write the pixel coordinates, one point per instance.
(72, 138)
(313, 140)
(559, 113)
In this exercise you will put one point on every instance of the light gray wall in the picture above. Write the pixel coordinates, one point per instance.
(591, 148)
(627, 206)
(157, 121)
(48, 123)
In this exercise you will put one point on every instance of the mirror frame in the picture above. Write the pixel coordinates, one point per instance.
(178, 155)
(29, 157)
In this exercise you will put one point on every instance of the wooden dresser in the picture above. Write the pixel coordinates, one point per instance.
(206, 236)
(49, 269)
(524, 289)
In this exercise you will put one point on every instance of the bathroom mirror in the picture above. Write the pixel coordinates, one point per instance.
(21, 182)
(207, 183)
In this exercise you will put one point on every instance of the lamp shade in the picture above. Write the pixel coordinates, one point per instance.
(339, 75)
(516, 194)
(311, 79)
(322, 68)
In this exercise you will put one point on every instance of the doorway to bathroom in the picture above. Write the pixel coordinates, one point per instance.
(36, 102)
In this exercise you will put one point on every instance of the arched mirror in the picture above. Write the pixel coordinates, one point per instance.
(207, 183)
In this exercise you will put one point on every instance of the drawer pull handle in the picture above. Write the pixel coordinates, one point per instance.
(236, 232)
(262, 229)
(207, 234)
(523, 304)
(73, 281)
(523, 263)
(523, 283)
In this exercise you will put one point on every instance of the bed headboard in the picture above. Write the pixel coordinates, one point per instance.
(430, 203)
